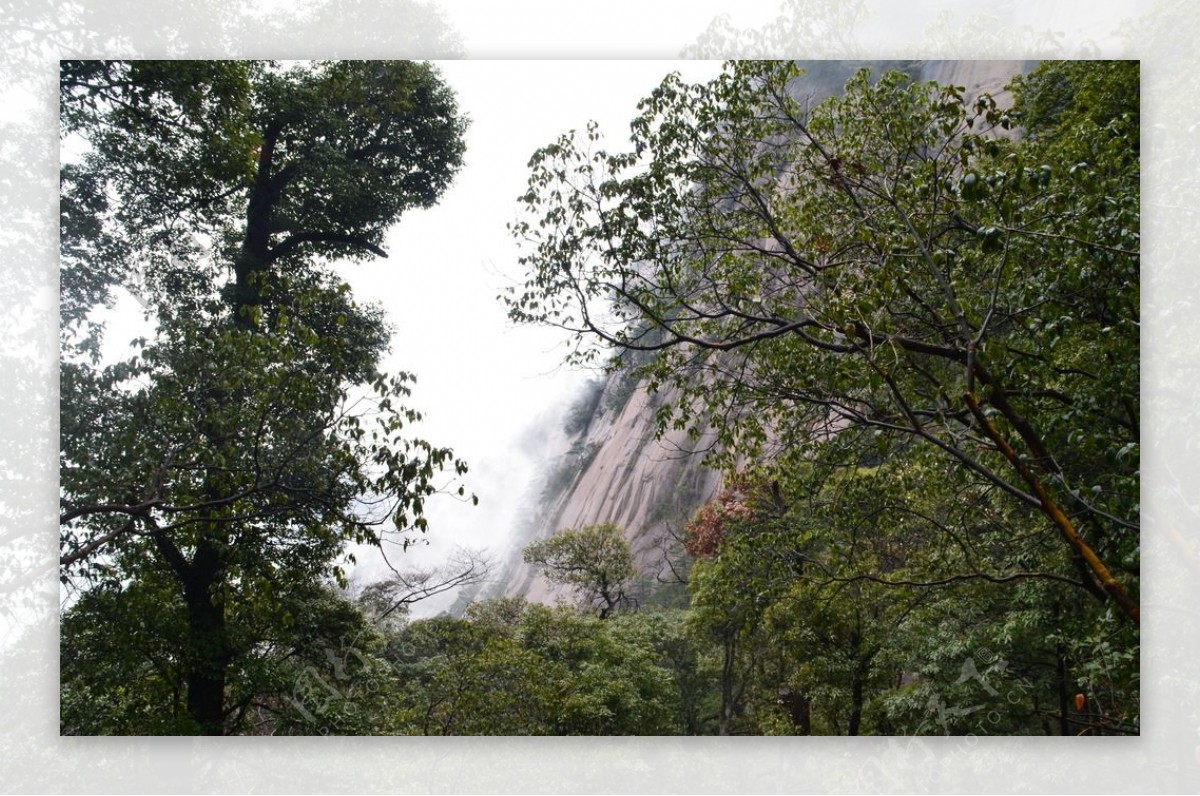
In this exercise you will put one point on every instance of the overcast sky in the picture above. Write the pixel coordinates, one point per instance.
(486, 386)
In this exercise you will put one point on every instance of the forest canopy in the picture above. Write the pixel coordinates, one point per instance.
(911, 315)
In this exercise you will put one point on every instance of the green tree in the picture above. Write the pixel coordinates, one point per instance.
(618, 682)
(310, 665)
(595, 561)
(466, 678)
(884, 600)
(888, 270)
(240, 449)
(898, 569)
(683, 654)
(512, 668)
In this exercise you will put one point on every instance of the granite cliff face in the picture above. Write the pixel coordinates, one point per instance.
(977, 77)
(612, 468)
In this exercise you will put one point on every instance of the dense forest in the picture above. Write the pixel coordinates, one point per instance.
(907, 316)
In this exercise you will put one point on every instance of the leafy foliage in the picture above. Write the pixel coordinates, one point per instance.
(595, 561)
(303, 664)
(512, 668)
(859, 267)
(230, 461)
(912, 316)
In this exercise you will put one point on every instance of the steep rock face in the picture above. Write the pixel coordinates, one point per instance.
(615, 470)
(977, 77)
(612, 468)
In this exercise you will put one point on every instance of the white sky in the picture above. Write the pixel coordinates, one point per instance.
(484, 384)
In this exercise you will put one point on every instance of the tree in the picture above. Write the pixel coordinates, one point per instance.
(310, 664)
(512, 668)
(277, 168)
(595, 561)
(890, 270)
(387, 602)
(239, 450)
(854, 604)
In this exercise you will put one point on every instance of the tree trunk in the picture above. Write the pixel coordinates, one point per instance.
(1064, 721)
(1052, 510)
(856, 706)
(799, 710)
(254, 258)
(727, 675)
(857, 685)
(208, 641)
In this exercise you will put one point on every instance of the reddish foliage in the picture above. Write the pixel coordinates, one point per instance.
(702, 536)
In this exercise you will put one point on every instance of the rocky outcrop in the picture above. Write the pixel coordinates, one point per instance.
(977, 77)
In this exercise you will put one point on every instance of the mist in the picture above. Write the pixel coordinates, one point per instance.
(492, 392)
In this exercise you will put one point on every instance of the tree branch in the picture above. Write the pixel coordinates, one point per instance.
(135, 509)
(68, 559)
(1052, 510)
(292, 242)
(952, 579)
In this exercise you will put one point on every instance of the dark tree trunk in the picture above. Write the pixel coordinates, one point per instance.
(208, 654)
(856, 706)
(1064, 703)
(255, 256)
(799, 710)
(727, 675)
(209, 643)
(862, 666)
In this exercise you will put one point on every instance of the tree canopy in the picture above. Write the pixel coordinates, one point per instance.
(595, 561)
(889, 268)
(231, 459)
